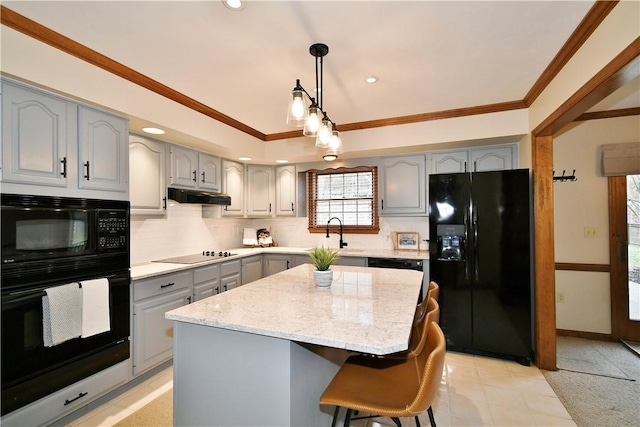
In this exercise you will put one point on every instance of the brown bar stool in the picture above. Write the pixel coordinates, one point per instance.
(389, 387)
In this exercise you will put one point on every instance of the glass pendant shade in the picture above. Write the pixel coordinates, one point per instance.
(312, 124)
(335, 145)
(297, 113)
(323, 139)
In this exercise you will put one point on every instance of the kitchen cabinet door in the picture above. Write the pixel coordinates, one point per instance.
(403, 185)
(147, 187)
(183, 167)
(36, 128)
(103, 156)
(449, 162)
(276, 263)
(206, 281)
(260, 198)
(233, 185)
(152, 333)
(251, 269)
(492, 158)
(286, 184)
(209, 173)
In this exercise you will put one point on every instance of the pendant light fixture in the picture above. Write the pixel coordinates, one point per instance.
(306, 111)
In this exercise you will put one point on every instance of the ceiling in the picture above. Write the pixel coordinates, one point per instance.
(429, 56)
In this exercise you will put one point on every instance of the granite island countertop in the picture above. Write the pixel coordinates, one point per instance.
(367, 310)
(150, 269)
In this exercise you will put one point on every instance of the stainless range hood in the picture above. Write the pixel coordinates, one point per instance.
(198, 197)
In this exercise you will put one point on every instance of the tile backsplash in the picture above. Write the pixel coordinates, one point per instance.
(184, 231)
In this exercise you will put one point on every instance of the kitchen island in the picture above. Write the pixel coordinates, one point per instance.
(263, 353)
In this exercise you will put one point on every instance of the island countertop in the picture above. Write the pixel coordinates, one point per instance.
(367, 310)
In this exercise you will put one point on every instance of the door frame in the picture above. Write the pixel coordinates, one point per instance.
(617, 73)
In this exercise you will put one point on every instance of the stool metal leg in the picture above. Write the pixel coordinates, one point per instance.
(347, 417)
(432, 419)
(335, 416)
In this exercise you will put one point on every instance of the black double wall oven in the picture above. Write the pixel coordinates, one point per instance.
(49, 243)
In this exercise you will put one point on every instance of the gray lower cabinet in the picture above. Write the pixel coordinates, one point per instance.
(251, 269)
(63, 402)
(230, 275)
(152, 333)
(206, 281)
(301, 259)
(276, 263)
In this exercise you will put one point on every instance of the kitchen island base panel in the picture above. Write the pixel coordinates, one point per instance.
(231, 378)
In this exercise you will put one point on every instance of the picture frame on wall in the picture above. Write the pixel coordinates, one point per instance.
(407, 240)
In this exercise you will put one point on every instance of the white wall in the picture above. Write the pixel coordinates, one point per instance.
(579, 204)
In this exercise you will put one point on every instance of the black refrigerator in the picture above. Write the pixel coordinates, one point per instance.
(480, 256)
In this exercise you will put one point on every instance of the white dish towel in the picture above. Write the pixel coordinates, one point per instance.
(61, 314)
(95, 307)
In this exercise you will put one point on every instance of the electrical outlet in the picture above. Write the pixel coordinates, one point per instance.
(590, 232)
(560, 297)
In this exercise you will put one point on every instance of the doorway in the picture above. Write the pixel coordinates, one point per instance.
(624, 249)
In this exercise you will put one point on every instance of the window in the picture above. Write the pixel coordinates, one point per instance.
(349, 194)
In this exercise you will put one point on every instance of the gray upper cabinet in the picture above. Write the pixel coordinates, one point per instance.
(49, 142)
(403, 185)
(192, 169)
(286, 184)
(147, 187)
(35, 130)
(260, 194)
(233, 185)
(482, 159)
(103, 156)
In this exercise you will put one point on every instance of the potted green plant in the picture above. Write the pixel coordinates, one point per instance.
(322, 258)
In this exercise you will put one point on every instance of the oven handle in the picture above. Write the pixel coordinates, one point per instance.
(79, 396)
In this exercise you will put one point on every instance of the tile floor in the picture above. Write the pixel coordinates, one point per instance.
(475, 391)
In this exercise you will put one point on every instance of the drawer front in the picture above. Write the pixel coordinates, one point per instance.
(229, 268)
(161, 285)
(205, 274)
(69, 399)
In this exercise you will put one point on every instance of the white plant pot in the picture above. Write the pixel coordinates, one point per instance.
(323, 279)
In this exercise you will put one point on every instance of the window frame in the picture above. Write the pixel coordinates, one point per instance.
(335, 226)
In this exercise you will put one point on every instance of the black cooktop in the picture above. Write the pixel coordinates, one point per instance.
(195, 258)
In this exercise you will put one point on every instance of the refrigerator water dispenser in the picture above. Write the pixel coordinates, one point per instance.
(450, 240)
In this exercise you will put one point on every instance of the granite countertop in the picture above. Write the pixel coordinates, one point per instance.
(151, 269)
(366, 309)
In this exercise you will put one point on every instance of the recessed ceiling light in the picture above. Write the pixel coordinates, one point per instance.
(371, 79)
(154, 131)
(244, 159)
(234, 4)
(282, 161)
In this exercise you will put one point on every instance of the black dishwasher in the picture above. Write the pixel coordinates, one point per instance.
(401, 263)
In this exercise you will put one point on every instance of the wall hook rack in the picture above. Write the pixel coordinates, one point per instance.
(565, 177)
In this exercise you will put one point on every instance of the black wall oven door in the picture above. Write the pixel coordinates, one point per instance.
(30, 370)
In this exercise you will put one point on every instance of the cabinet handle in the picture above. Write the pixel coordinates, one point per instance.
(465, 166)
(164, 202)
(167, 285)
(225, 288)
(217, 290)
(195, 174)
(382, 203)
(63, 172)
(202, 176)
(189, 299)
(80, 396)
(475, 166)
(292, 207)
(86, 165)
(269, 207)
(287, 264)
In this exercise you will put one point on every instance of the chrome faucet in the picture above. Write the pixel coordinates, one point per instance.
(342, 243)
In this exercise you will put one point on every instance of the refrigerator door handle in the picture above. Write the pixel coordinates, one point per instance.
(466, 239)
(476, 261)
